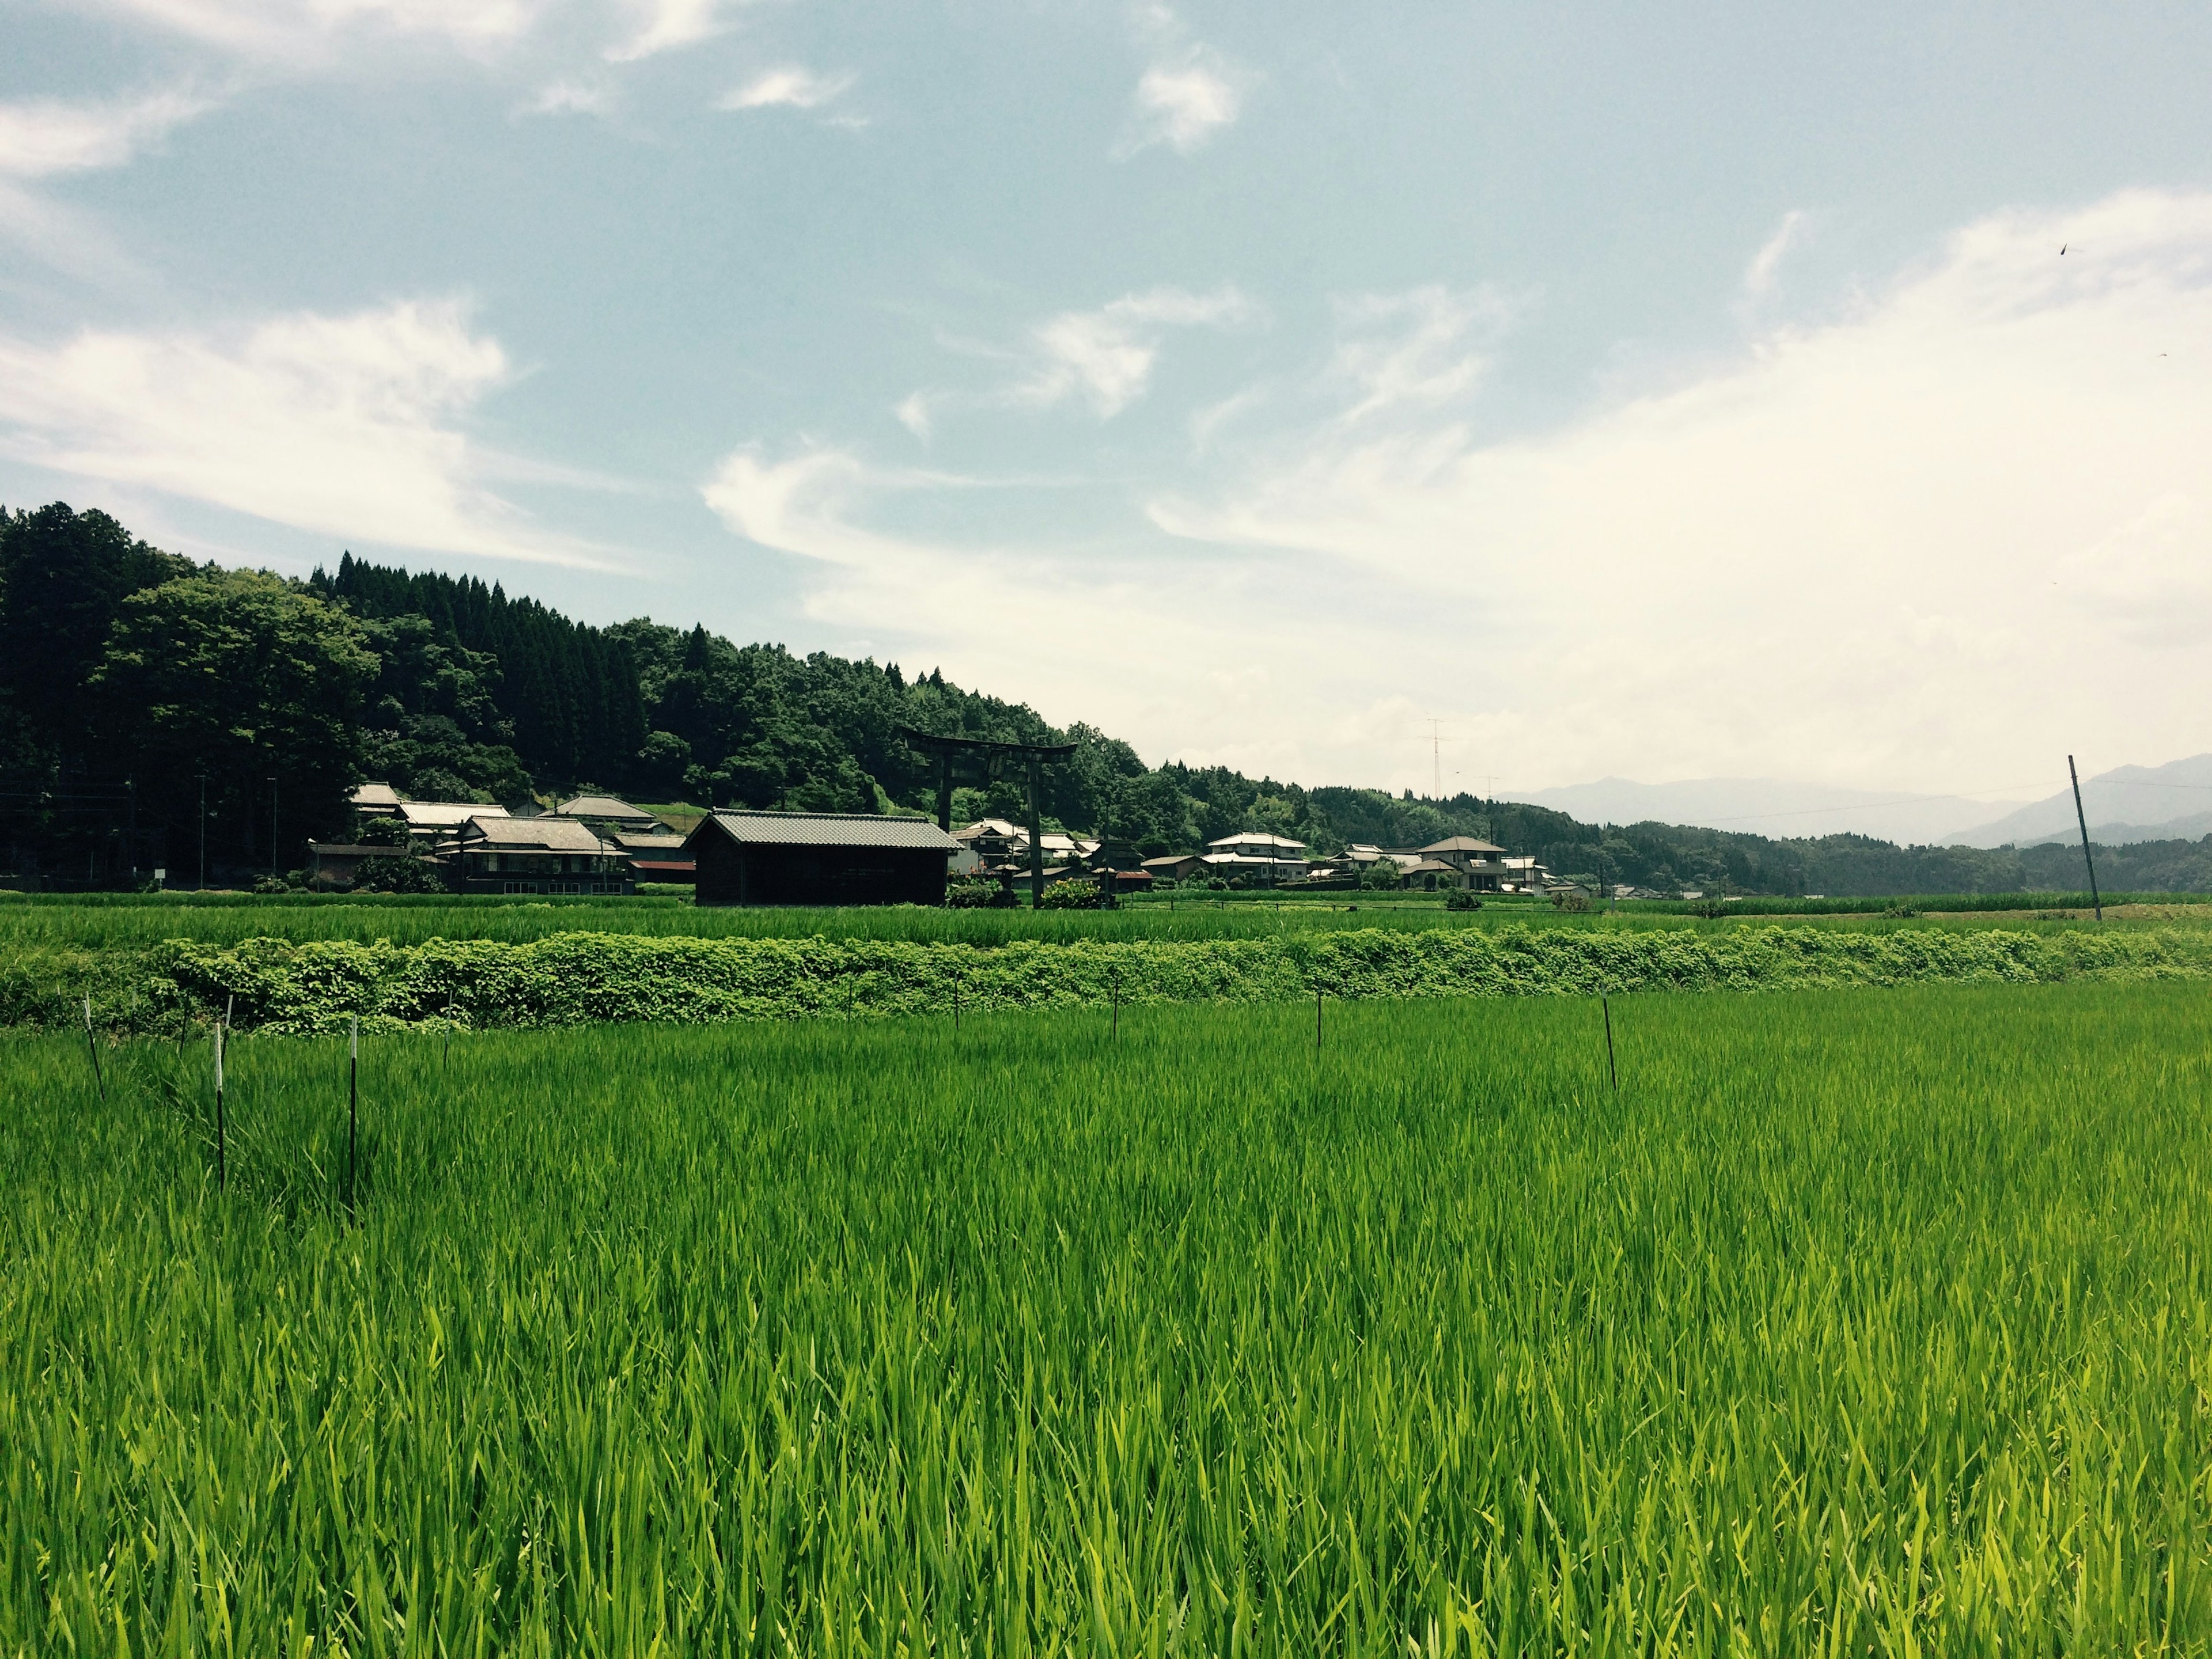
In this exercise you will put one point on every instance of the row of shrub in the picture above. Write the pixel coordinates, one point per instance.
(570, 979)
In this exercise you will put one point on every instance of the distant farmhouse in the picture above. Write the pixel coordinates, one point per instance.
(819, 858)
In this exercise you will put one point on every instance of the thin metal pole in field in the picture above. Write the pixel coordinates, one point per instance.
(221, 1168)
(353, 1108)
(1612, 1070)
(92, 1049)
(2082, 819)
(1316, 1019)
(956, 1004)
(447, 1056)
(1116, 978)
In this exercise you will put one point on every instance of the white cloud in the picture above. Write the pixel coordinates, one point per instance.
(347, 426)
(570, 98)
(913, 413)
(788, 87)
(282, 29)
(41, 137)
(1181, 105)
(1904, 549)
(1759, 276)
(1105, 356)
(1138, 643)
(1411, 352)
(667, 25)
(1186, 94)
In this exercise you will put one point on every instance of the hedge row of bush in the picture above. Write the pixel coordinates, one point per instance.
(584, 978)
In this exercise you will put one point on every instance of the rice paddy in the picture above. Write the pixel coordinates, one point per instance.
(1849, 1322)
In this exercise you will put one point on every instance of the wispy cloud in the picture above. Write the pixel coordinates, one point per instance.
(295, 29)
(1186, 94)
(1011, 613)
(668, 25)
(1766, 264)
(1851, 554)
(570, 98)
(1104, 357)
(789, 87)
(350, 426)
(41, 137)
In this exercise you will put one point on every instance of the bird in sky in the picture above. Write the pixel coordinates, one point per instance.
(2062, 246)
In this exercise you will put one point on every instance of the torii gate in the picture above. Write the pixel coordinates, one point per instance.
(986, 763)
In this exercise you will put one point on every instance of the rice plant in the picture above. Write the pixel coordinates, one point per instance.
(1861, 1322)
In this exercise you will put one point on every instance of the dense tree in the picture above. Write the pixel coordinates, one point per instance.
(250, 681)
(127, 670)
(64, 576)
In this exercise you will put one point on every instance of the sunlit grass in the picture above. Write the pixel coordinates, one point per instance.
(1872, 1322)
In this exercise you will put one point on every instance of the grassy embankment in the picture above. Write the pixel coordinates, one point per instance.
(1849, 1324)
(300, 966)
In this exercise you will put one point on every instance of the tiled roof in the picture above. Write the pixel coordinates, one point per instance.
(376, 795)
(1257, 838)
(1462, 844)
(601, 806)
(500, 834)
(828, 829)
(446, 814)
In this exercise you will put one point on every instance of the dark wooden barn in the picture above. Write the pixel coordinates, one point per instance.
(819, 858)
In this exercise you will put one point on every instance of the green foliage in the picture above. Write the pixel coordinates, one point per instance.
(1848, 1325)
(383, 832)
(400, 873)
(1459, 898)
(573, 978)
(242, 677)
(1073, 893)
(975, 895)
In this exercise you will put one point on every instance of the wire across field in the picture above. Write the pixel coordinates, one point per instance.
(1851, 1322)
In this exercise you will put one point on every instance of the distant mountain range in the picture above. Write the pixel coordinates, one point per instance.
(2172, 802)
(2128, 804)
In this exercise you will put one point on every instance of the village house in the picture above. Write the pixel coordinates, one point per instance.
(1256, 854)
(1467, 861)
(496, 853)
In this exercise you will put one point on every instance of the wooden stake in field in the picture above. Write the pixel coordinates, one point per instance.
(1114, 978)
(92, 1049)
(1612, 1070)
(1316, 1019)
(447, 1055)
(2082, 819)
(353, 1107)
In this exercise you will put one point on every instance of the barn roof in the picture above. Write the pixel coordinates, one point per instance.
(827, 829)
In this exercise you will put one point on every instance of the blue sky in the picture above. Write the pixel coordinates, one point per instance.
(1664, 395)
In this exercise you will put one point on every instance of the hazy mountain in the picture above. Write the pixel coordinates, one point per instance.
(1765, 806)
(2172, 802)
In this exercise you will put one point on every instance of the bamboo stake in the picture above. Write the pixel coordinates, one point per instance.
(1612, 1069)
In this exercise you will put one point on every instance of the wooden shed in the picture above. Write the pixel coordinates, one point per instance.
(819, 858)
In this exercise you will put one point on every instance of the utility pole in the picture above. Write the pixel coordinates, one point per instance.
(272, 826)
(2082, 819)
(203, 886)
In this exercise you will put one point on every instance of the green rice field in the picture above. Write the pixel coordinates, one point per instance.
(1875, 1322)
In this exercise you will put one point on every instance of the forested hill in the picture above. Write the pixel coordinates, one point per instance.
(136, 685)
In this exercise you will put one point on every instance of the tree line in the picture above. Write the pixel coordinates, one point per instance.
(151, 707)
